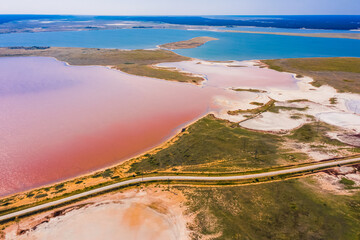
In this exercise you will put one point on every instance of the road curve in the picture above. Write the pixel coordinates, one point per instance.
(178, 178)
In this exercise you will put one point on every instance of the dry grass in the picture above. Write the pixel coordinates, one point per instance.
(341, 73)
(192, 43)
(137, 62)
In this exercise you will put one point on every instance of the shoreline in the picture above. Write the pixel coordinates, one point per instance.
(187, 44)
(354, 35)
(176, 132)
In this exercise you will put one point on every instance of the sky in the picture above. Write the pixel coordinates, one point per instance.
(181, 7)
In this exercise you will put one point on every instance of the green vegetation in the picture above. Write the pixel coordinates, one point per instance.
(276, 109)
(333, 100)
(41, 195)
(298, 100)
(317, 64)
(160, 73)
(248, 90)
(296, 116)
(59, 186)
(257, 103)
(263, 108)
(192, 43)
(137, 62)
(341, 73)
(347, 182)
(278, 210)
(315, 132)
(215, 145)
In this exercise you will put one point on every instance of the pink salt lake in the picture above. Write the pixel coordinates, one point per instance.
(59, 121)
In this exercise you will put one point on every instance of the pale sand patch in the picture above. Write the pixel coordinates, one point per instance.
(317, 103)
(325, 151)
(340, 119)
(354, 177)
(146, 214)
(331, 180)
(330, 183)
(235, 74)
(277, 122)
(228, 104)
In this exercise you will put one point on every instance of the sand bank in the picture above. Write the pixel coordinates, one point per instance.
(133, 214)
(192, 43)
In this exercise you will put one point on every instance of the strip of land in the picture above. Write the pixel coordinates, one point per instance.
(179, 178)
(136, 62)
(341, 73)
(192, 43)
(319, 35)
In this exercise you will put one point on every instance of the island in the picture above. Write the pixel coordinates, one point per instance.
(192, 43)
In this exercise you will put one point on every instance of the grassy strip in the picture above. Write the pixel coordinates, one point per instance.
(137, 62)
(281, 176)
(192, 43)
(160, 73)
(248, 90)
(341, 73)
(315, 133)
(172, 182)
(276, 109)
(258, 110)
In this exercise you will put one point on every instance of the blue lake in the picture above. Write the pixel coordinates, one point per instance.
(231, 46)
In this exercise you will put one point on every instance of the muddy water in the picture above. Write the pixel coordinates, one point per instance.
(59, 121)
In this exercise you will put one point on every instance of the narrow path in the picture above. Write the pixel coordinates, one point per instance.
(178, 178)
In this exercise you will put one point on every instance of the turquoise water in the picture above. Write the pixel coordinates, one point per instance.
(245, 46)
(231, 46)
(288, 30)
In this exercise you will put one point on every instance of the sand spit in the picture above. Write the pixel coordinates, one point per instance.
(192, 43)
(152, 213)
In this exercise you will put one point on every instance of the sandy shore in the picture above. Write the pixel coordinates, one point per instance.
(192, 43)
(151, 213)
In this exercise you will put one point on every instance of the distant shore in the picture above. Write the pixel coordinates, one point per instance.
(319, 35)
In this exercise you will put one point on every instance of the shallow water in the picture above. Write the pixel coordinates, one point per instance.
(60, 121)
(241, 75)
(230, 46)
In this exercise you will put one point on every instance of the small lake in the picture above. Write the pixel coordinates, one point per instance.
(231, 46)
